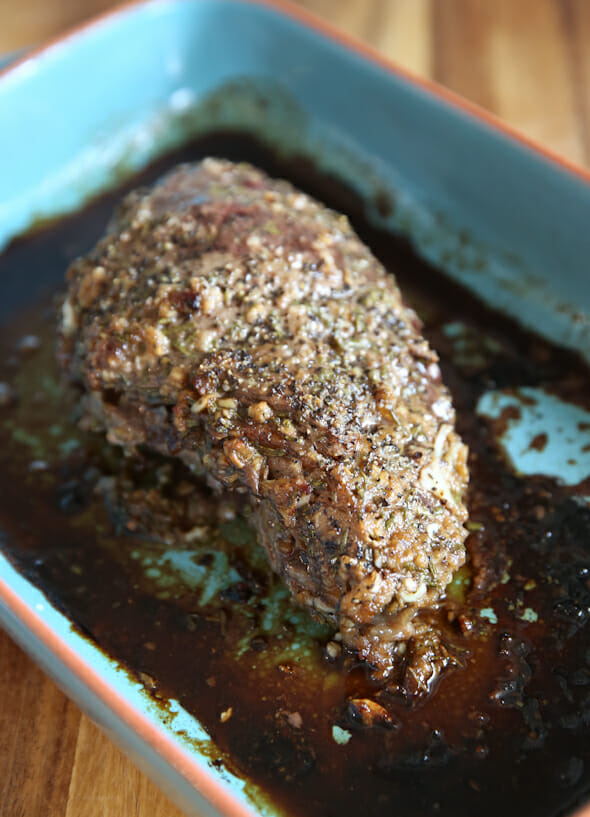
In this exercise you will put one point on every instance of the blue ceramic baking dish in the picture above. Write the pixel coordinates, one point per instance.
(497, 213)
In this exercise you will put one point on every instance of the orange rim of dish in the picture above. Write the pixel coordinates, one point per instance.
(311, 21)
(166, 746)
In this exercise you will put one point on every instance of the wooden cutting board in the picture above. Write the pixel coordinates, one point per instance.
(527, 61)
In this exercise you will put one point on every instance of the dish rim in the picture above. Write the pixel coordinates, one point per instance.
(309, 20)
(215, 791)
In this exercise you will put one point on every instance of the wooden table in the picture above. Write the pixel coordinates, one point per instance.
(527, 61)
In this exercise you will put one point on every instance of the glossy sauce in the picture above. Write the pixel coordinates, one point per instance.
(505, 731)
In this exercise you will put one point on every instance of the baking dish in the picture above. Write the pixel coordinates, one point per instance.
(501, 216)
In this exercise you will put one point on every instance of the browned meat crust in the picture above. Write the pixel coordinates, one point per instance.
(236, 323)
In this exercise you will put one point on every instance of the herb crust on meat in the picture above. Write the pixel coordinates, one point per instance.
(232, 321)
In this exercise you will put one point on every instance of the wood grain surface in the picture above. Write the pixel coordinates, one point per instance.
(528, 61)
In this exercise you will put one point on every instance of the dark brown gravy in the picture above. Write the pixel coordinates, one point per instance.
(505, 732)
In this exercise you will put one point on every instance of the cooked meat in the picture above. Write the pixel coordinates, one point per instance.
(234, 322)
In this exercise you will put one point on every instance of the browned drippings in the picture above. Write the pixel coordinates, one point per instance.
(505, 731)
